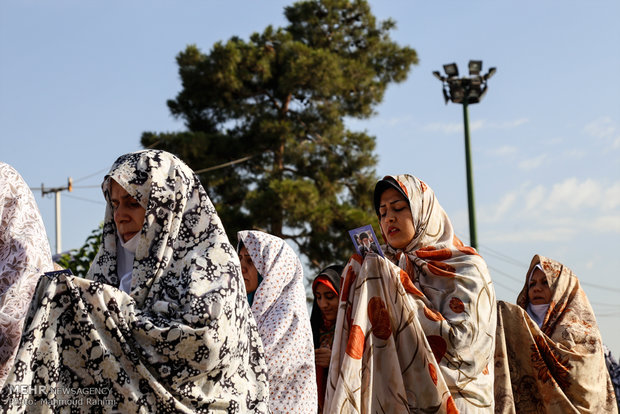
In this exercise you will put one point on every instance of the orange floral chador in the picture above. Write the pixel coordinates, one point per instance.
(559, 367)
(415, 330)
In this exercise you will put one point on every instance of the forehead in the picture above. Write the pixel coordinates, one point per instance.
(538, 275)
(322, 289)
(390, 195)
(116, 190)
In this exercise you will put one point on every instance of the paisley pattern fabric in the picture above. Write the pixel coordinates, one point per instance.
(184, 340)
(415, 330)
(24, 256)
(282, 317)
(559, 367)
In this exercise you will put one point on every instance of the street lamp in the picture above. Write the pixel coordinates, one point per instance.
(466, 90)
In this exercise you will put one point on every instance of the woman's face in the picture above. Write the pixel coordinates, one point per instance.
(128, 213)
(538, 291)
(250, 274)
(395, 219)
(327, 301)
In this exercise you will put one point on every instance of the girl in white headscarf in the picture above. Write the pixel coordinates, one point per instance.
(24, 257)
(182, 340)
(279, 306)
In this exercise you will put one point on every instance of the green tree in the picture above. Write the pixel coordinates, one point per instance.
(281, 100)
(79, 260)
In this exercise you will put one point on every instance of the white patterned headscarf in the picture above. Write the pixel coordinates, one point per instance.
(283, 323)
(24, 256)
(183, 340)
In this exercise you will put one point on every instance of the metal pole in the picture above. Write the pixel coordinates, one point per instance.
(473, 241)
(58, 244)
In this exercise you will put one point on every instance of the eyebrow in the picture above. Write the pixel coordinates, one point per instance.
(125, 197)
(391, 202)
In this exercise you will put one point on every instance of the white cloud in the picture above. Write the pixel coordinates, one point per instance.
(573, 195)
(534, 198)
(451, 128)
(574, 154)
(532, 163)
(604, 129)
(396, 121)
(477, 125)
(611, 199)
(607, 224)
(529, 235)
(498, 211)
(504, 151)
(563, 211)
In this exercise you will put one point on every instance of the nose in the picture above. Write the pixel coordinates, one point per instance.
(120, 214)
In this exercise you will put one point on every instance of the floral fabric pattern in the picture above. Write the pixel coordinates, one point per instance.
(24, 256)
(283, 323)
(184, 340)
(559, 367)
(415, 330)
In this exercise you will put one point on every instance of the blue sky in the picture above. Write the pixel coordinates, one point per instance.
(81, 80)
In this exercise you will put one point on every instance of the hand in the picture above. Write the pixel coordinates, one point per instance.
(322, 357)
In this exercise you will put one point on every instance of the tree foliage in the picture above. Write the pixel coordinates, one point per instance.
(79, 260)
(281, 98)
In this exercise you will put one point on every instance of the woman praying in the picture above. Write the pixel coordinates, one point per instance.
(415, 330)
(549, 354)
(325, 288)
(274, 282)
(24, 256)
(161, 324)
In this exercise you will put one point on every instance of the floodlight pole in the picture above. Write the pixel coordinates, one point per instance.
(473, 239)
(466, 90)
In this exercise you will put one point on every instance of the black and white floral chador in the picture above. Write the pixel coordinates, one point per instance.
(183, 340)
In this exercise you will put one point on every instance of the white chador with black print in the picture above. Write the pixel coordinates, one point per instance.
(182, 340)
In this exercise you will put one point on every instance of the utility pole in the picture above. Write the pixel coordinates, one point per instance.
(57, 191)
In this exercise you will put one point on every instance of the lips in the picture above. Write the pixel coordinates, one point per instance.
(392, 230)
(129, 235)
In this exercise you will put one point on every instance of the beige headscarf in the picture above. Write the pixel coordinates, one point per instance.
(415, 331)
(559, 367)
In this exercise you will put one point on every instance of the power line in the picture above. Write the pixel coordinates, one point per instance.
(504, 257)
(593, 285)
(85, 199)
(215, 167)
(516, 262)
(505, 274)
(614, 305)
(495, 282)
(90, 175)
(607, 315)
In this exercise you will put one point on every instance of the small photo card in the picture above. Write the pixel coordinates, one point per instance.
(365, 241)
